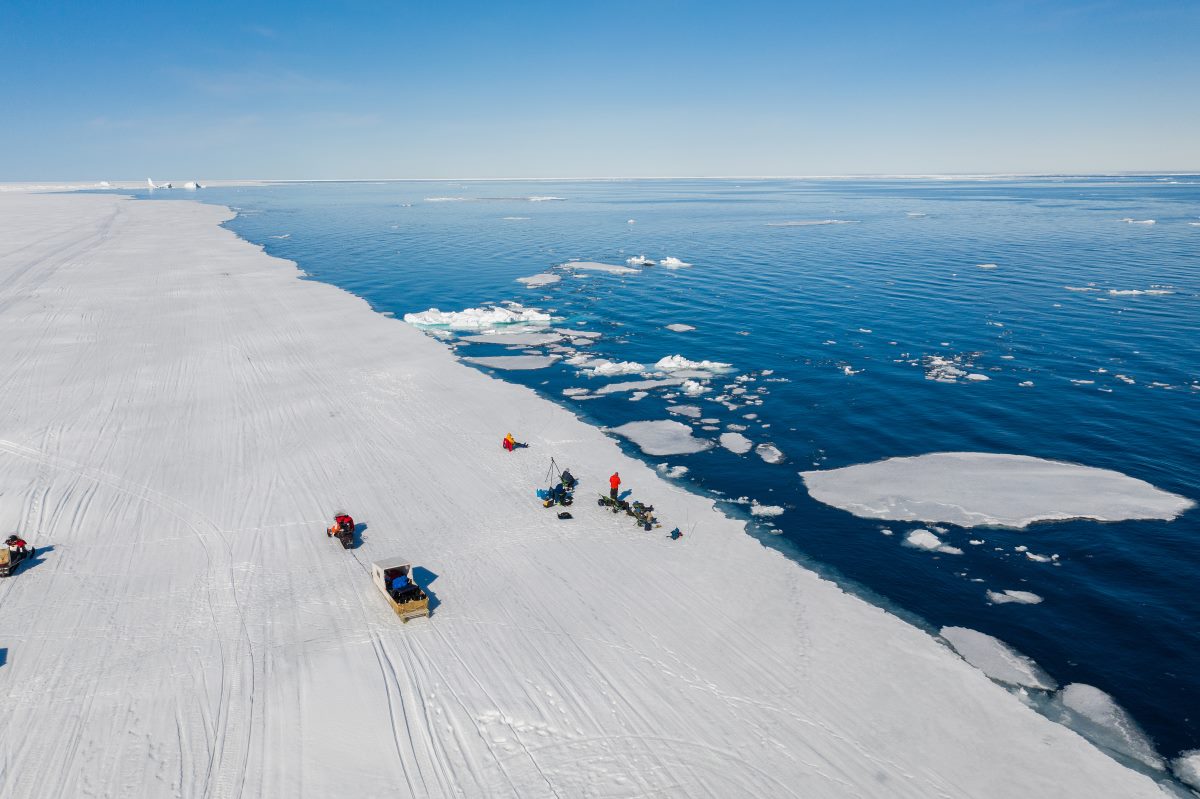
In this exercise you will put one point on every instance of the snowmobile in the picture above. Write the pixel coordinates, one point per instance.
(616, 505)
(393, 577)
(644, 515)
(10, 559)
(343, 530)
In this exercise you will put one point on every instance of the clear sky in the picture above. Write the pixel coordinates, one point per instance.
(416, 88)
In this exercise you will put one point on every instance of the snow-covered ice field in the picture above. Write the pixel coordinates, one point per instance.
(182, 417)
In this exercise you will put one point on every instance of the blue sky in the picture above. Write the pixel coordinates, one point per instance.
(538, 89)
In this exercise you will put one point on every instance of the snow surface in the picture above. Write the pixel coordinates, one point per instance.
(997, 659)
(977, 488)
(190, 630)
(662, 437)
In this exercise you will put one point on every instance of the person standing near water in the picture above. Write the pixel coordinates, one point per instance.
(614, 484)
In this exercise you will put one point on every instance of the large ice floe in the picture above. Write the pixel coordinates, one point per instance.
(1097, 717)
(736, 443)
(663, 437)
(973, 489)
(474, 318)
(997, 659)
(594, 266)
(543, 279)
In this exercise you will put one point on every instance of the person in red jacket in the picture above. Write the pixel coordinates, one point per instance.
(614, 484)
(16, 544)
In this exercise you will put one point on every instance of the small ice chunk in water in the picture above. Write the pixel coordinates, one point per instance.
(514, 362)
(736, 443)
(1008, 595)
(924, 539)
(997, 659)
(671, 262)
(1094, 715)
(690, 411)
(544, 279)
(679, 327)
(639, 260)
(765, 510)
(672, 471)
(770, 453)
(663, 437)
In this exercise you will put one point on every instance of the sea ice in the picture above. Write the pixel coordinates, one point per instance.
(472, 318)
(1130, 220)
(971, 489)
(812, 222)
(680, 328)
(675, 363)
(997, 659)
(986, 266)
(765, 510)
(604, 368)
(593, 266)
(514, 339)
(636, 385)
(663, 437)
(639, 260)
(1094, 715)
(768, 452)
(736, 443)
(1009, 595)
(543, 279)
(1187, 765)
(694, 389)
(672, 471)
(924, 539)
(691, 411)
(671, 262)
(515, 362)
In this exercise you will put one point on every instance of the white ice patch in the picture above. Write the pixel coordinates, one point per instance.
(593, 266)
(925, 539)
(676, 363)
(972, 489)
(515, 362)
(514, 339)
(636, 385)
(986, 266)
(1139, 292)
(639, 260)
(765, 510)
(475, 318)
(1008, 595)
(1094, 715)
(671, 262)
(768, 452)
(638, 395)
(997, 659)
(605, 368)
(1187, 765)
(662, 437)
(694, 389)
(1131, 221)
(736, 443)
(672, 471)
(680, 328)
(691, 411)
(543, 279)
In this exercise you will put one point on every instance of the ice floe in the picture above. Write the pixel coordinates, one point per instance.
(514, 339)
(676, 363)
(671, 262)
(543, 279)
(637, 385)
(997, 659)
(472, 318)
(1131, 221)
(1096, 716)
(736, 443)
(514, 362)
(678, 327)
(986, 266)
(1187, 765)
(664, 437)
(639, 260)
(672, 471)
(971, 489)
(691, 411)
(768, 452)
(925, 539)
(765, 510)
(1008, 595)
(593, 266)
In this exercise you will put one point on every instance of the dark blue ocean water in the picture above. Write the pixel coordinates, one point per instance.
(874, 297)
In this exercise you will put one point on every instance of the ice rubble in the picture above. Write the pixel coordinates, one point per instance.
(677, 363)
(971, 489)
(473, 318)
(664, 437)
(758, 509)
(997, 659)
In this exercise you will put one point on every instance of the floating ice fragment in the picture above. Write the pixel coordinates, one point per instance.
(1094, 715)
(679, 327)
(1008, 595)
(736, 443)
(765, 510)
(691, 411)
(543, 279)
(639, 260)
(924, 539)
(997, 659)
(662, 437)
(675, 363)
(1187, 765)
(476, 317)
(593, 266)
(671, 262)
(769, 453)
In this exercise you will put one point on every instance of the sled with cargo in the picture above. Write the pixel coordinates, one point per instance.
(10, 559)
(393, 578)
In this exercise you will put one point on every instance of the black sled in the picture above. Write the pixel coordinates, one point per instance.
(10, 560)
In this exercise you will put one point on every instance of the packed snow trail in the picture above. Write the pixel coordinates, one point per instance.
(181, 417)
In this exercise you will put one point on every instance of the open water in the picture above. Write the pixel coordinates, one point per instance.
(848, 315)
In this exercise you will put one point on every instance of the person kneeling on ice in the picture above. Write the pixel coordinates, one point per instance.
(16, 544)
(511, 443)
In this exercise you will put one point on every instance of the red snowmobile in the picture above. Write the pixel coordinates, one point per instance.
(342, 530)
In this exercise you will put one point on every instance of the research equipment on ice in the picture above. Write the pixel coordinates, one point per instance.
(393, 577)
